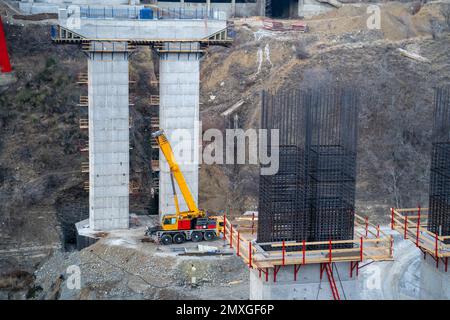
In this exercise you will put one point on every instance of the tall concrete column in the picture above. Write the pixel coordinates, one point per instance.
(108, 135)
(233, 8)
(179, 89)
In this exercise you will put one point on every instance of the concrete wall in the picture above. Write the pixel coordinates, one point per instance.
(434, 282)
(179, 115)
(108, 140)
(108, 111)
(309, 8)
(308, 285)
(231, 10)
(52, 6)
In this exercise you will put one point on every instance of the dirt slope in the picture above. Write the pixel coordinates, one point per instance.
(41, 184)
(395, 118)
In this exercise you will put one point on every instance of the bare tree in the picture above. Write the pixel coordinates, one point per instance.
(445, 11)
(395, 191)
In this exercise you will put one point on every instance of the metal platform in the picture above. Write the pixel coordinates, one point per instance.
(412, 224)
(369, 243)
(64, 35)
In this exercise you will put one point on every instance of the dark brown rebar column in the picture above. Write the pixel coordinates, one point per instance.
(439, 200)
(313, 194)
(283, 212)
(331, 148)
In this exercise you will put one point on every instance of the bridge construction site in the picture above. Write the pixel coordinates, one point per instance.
(304, 234)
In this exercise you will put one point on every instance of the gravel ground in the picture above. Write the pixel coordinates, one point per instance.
(121, 266)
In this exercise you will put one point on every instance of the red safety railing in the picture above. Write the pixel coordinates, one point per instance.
(369, 243)
(412, 224)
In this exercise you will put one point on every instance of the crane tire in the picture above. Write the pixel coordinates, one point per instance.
(196, 236)
(166, 239)
(210, 235)
(179, 238)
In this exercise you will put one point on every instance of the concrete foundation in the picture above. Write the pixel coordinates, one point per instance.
(231, 9)
(434, 281)
(308, 285)
(85, 235)
(108, 137)
(179, 117)
(408, 276)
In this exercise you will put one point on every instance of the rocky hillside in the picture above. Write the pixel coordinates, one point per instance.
(397, 94)
(41, 184)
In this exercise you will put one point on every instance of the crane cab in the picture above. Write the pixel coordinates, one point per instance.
(175, 222)
(187, 222)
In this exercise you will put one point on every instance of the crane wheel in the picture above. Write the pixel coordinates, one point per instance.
(179, 238)
(210, 235)
(166, 239)
(196, 236)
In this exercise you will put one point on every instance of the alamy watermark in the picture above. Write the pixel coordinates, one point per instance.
(373, 22)
(74, 277)
(231, 146)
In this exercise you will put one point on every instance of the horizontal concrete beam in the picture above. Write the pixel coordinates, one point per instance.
(148, 30)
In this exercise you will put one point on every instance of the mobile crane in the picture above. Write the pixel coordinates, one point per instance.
(191, 225)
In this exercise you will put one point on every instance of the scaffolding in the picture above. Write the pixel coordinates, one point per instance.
(367, 243)
(312, 195)
(413, 225)
(439, 198)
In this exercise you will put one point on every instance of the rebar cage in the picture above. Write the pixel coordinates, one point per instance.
(312, 195)
(439, 200)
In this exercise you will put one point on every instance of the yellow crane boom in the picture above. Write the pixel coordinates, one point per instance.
(192, 225)
(175, 173)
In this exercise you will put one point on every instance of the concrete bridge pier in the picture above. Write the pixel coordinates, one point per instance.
(108, 89)
(179, 91)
